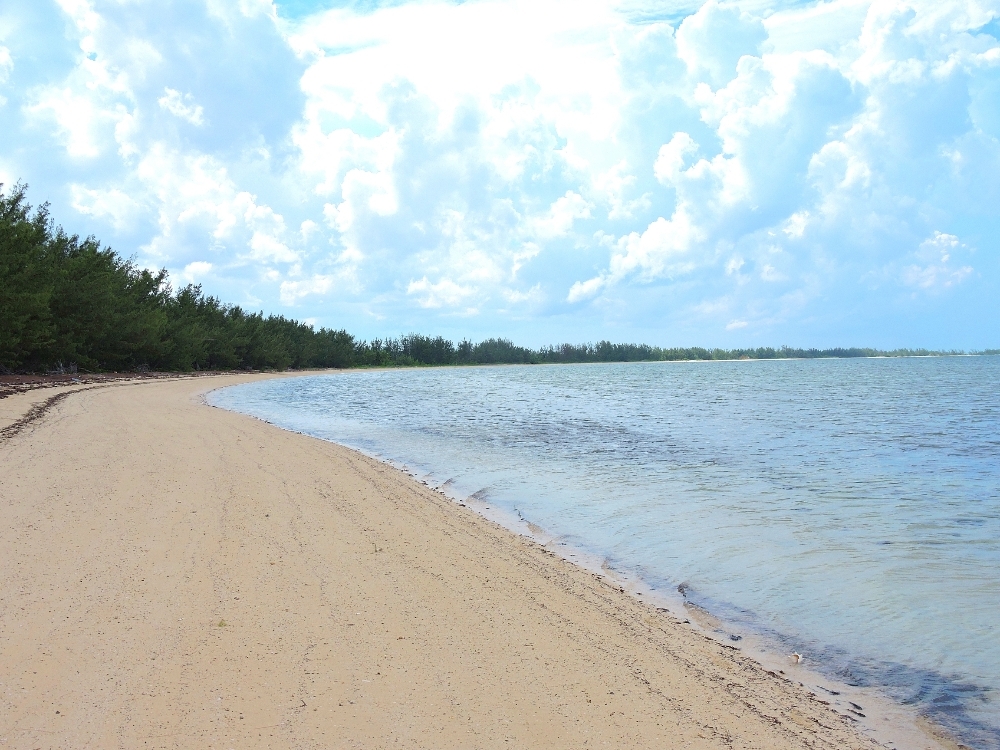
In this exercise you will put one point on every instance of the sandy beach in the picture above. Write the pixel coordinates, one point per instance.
(173, 575)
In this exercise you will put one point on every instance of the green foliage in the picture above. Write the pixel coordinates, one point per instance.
(414, 349)
(106, 313)
(25, 280)
(66, 302)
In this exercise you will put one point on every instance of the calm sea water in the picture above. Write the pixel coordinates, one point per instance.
(846, 508)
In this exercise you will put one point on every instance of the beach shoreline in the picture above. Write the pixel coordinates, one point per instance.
(409, 618)
(884, 719)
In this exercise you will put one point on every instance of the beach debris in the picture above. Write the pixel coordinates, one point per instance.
(796, 658)
(682, 589)
(735, 637)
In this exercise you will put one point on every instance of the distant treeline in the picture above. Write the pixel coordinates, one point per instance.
(415, 349)
(68, 304)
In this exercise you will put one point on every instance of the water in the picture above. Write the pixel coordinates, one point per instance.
(846, 508)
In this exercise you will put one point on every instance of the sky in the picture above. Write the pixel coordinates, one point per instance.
(676, 173)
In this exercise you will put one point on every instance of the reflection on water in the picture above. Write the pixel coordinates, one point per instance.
(850, 507)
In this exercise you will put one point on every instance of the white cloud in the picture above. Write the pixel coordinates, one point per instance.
(659, 250)
(182, 106)
(119, 208)
(934, 277)
(308, 229)
(940, 245)
(582, 290)
(193, 272)
(936, 270)
(628, 172)
(558, 221)
(265, 247)
(292, 291)
(670, 161)
(364, 193)
(82, 13)
(85, 127)
(617, 186)
(713, 40)
(444, 293)
(796, 224)
(735, 325)
(199, 202)
(532, 296)
(231, 12)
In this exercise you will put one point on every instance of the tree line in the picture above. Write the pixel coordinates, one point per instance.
(71, 304)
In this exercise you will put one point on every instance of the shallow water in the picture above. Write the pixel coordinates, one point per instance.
(846, 508)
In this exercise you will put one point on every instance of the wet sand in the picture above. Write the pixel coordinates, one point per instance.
(173, 575)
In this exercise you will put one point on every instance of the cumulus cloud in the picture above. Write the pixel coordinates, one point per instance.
(439, 294)
(713, 40)
(510, 164)
(935, 269)
(182, 106)
(113, 205)
(292, 291)
(558, 220)
(84, 127)
(582, 290)
(670, 160)
(196, 271)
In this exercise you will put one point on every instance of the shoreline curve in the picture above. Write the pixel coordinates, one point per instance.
(177, 576)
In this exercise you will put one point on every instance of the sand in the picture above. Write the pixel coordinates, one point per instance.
(174, 575)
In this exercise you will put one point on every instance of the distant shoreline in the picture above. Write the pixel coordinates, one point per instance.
(11, 383)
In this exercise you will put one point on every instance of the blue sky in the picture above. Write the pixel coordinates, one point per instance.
(722, 174)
